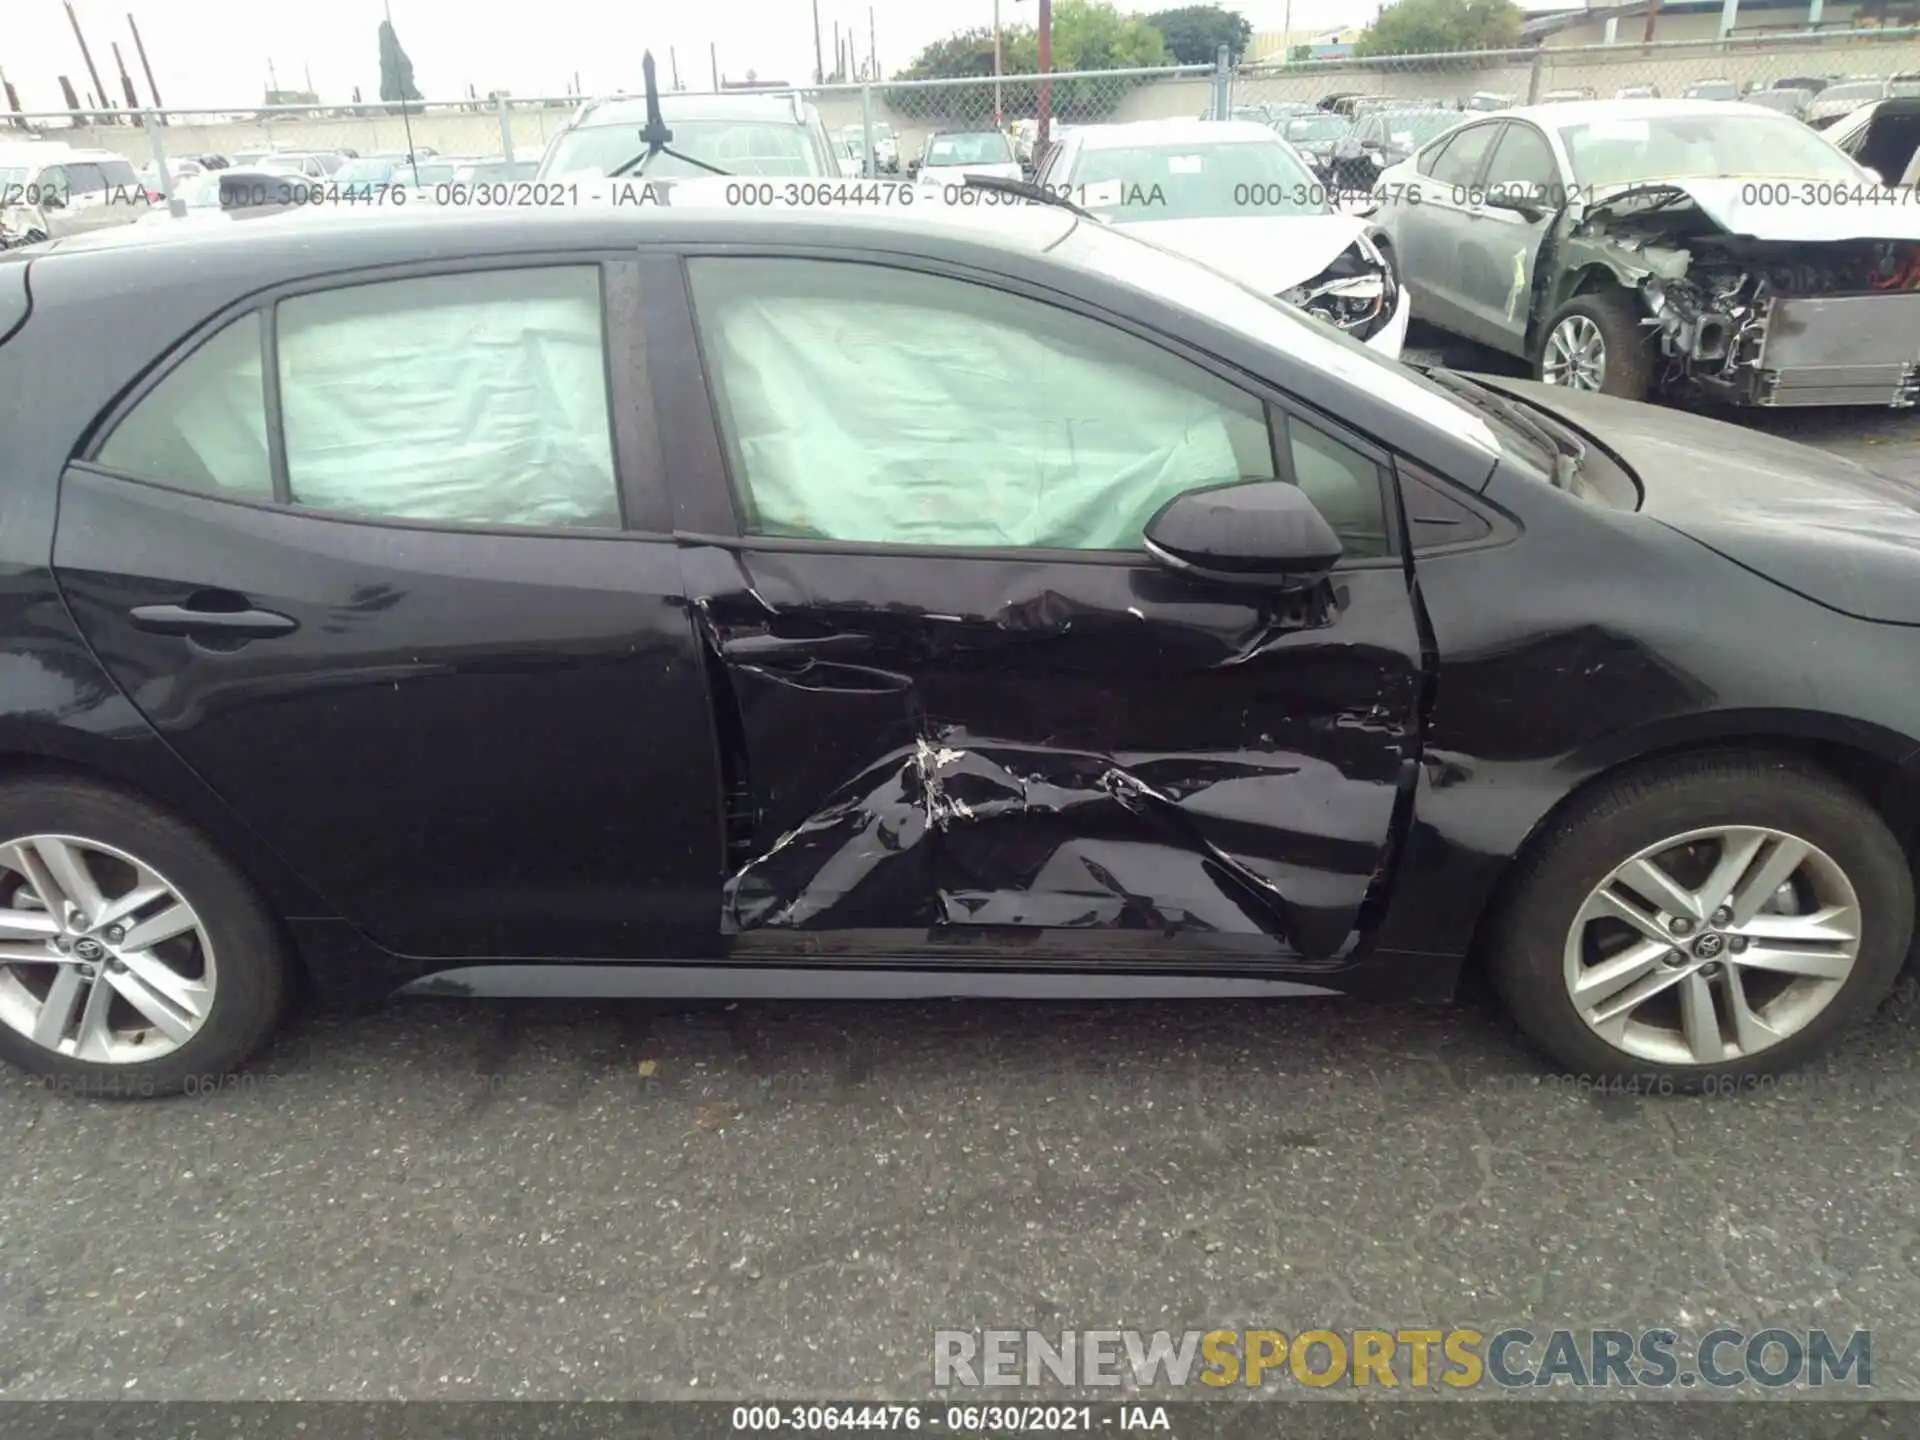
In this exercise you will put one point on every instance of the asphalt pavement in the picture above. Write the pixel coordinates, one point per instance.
(463, 1200)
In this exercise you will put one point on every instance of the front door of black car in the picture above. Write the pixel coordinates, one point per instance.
(372, 581)
(965, 714)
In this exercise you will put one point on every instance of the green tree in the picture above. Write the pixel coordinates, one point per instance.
(396, 70)
(1087, 35)
(1434, 27)
(1195, 33)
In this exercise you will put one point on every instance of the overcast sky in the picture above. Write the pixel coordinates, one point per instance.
(216, 52)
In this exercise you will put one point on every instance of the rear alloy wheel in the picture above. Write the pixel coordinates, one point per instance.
(1706, 918)
(131, 957)
(1596, 343)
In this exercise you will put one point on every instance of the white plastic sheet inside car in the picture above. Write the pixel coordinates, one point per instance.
(879, 405)
(478, 398)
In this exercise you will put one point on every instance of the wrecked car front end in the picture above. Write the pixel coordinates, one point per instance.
(1757, 293)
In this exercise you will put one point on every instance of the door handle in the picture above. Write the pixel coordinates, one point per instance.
(186, 620)
(782, 647)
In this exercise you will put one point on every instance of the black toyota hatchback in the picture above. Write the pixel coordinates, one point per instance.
(627, 602)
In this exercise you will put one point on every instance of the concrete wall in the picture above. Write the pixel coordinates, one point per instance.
(1700, 25)
(1603, 68)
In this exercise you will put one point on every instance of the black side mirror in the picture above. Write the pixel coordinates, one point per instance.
(1260, 532)
(1528, 202)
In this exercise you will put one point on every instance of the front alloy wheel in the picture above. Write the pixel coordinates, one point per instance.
(1576, 355)
(1702, 920)
(1713, 945)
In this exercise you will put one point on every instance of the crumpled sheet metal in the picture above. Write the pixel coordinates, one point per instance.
(996, 834)
(951, 774)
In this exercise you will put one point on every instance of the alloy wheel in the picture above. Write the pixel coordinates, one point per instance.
(101, 958)
(1712, 945)
(1576, 355)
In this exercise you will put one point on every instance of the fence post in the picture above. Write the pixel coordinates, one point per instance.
(150, 123)
(506, 129)
(1533, 77)
(1222, 85)
(866, 126)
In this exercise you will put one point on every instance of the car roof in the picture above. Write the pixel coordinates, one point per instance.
(54, 152)
(766, 108)
(289, 244)
(1171, 132)
(1583, 112)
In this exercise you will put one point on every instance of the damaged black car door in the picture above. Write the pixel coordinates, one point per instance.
(964, 715)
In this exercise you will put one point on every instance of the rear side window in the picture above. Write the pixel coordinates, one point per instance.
(1460, 161)
(119, 172)
(1522, 161)
(477, 398)
(204, 426)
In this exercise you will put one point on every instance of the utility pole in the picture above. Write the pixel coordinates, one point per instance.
(85, 53)
(1045, 87)
(307, 70)
(999, 112)
(838, 53)
(873, 45)
(713, 54)
(673, 63)
(140, 47)
(273, 80)
(819, 58)
(126, 80)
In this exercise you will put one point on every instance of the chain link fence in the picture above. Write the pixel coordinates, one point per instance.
(1815, 75)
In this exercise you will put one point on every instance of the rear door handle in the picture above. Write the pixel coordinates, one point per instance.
(800, 647)
(185, 620)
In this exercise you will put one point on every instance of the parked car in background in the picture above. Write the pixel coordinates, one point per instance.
(1711, 90)
(1235, 196)
(177, 171)
(495, 171)
(1812, 84)
(1561, 97)
(1270, 113)
(1316, 137)
(234, 191)
(49, 190)
(951, 156)
(1884, 136)
(314, 164)
(1025, 134)
(1487, 101)
(1383, 138)
(758, 135)
(1793, 102)
(886, 145)
(1837, 101)
(1637, 92)
(852, 157)
(1076, 632)
(371, 175)
(1644, 246)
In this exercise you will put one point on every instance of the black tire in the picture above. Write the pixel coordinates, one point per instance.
(254, 968)
(1628, 369)
(1623, 816)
